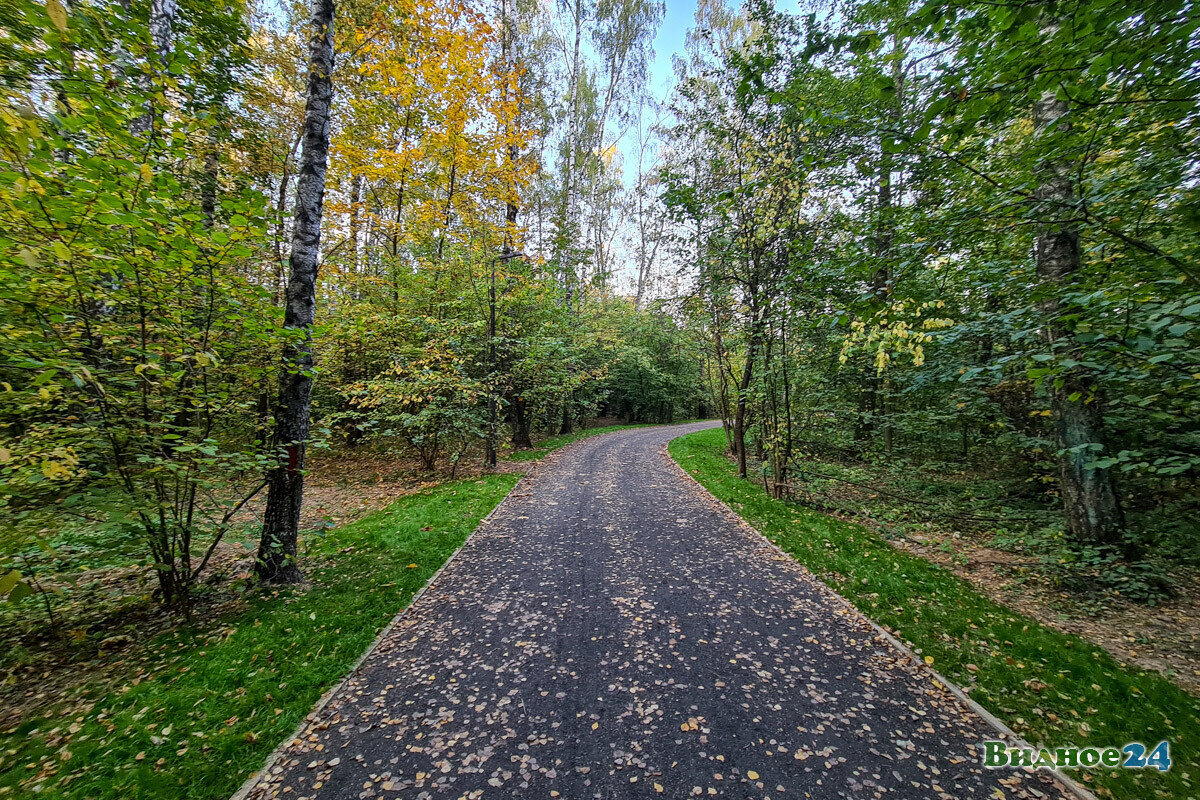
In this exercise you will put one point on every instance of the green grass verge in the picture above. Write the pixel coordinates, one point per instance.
(554, 442)
(1052, 688)
(205, 709)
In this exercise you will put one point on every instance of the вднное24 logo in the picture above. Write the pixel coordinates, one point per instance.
(997, 755)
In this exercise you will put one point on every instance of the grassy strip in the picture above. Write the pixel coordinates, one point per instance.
(206, 709)
(554, 442)
(1052, 688)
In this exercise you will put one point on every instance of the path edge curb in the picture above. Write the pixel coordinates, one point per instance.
(323, 702)
(1068, 783)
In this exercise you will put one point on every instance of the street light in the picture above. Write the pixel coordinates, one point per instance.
(491, 360)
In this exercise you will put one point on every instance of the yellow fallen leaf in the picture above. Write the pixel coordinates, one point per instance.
(57, 13)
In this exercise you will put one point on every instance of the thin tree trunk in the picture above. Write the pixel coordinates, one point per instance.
(723, 383)
(162, 21)
(568, 214)
(285, 491)
(568, 415)
(281, 220)
(395, 238)
(1090, 503)
(743, 390)
(449, 209)
(355, 219)
(520, 424)
(876, 402)
(212, 175)
(512, 154)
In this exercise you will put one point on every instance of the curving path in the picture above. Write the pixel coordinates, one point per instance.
(613, 632)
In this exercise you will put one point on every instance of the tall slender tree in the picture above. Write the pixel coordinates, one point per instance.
(162, 21)
(1090, 504)
(277, 549)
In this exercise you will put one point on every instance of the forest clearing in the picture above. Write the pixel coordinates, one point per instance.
(294, 294)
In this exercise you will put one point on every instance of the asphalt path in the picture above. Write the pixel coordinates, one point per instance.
(614, 632)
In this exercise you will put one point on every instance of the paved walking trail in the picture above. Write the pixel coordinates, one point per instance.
(613, 632)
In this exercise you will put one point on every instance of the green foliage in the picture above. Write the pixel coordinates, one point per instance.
(917, 183)
(1103, 571)
(428, 401)
(133, 341)
(652, 361)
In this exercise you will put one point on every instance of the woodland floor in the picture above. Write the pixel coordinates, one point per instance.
(107, 615)
(1164, 637)
(612, 631)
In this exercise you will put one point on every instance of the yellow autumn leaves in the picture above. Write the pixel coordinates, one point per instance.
(889, 333)
(431, 120)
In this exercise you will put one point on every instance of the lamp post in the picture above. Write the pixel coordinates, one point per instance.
(491, 358)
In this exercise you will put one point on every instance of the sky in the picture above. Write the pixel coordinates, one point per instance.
(671, 35)
(680, 16)
(669, 42)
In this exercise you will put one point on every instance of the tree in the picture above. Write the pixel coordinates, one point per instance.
(285, 492)
(132, 337)
(1106, 79)
(1089, 499)
(984, 251)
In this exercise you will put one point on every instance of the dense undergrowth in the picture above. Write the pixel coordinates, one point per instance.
(1011, 512)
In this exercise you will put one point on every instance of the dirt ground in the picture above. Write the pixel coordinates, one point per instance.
(1163, 638)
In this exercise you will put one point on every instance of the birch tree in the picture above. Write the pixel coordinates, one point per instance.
(285, 491)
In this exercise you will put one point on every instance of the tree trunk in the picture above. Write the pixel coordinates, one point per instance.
(720, 361)
(512, 154)
(520, 424)
(212, 177)
(568, 213)
(281, 220)
(449, 210)
(739, 417)
(356, 184)
(162, 21)
(1092, 510)
(877, 399)
(285, 491)
(568, 415)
